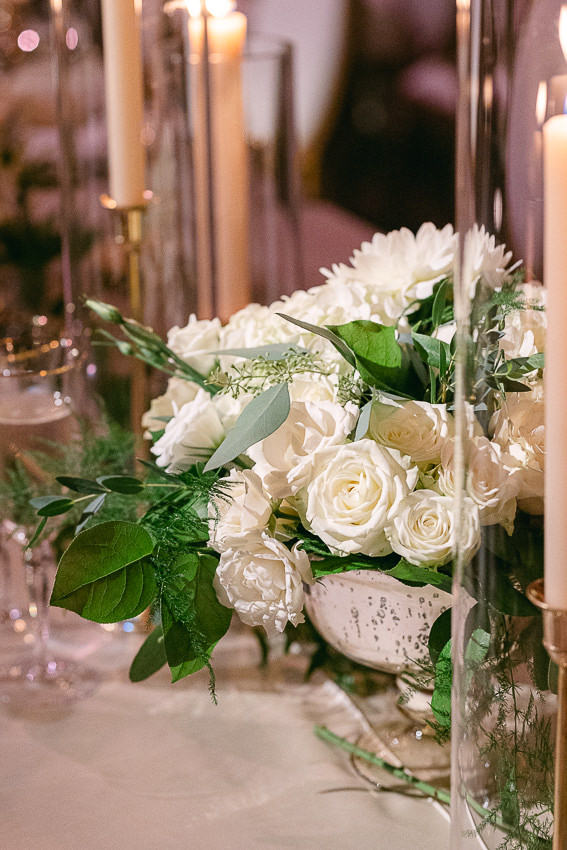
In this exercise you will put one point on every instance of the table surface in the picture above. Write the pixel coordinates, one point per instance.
(155, 764)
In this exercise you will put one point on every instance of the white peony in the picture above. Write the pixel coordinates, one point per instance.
(398, 267)
(195, 342)
(178, 393)
(243, 509)
(519, 428)
(284, 460)
(264, 583)
(191, 435)
(491, 483)
(424, 530)
(355, 492)
(415, 428)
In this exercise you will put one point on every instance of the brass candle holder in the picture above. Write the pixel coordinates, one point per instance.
(129, 233)
(555, 641)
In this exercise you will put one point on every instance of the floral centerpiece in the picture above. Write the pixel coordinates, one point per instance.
(311, 436)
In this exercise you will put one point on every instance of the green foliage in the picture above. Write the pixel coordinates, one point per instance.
(150, 657)
(260, 418)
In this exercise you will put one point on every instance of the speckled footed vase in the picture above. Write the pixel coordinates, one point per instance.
(377, 621)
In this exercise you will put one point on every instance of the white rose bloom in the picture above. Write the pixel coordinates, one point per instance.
(519, 428)
(424, 532)
(415, 428)
(524, 330)
(492, 485)
(313, 387)
(250, 327)
(243, 510)
(398, 267)
(284, 460)
(195, 342)
(355, 492)
(178, 393)
(264, 583)
(191, 435)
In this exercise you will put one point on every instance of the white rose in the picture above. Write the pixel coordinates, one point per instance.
(178, 393)
(519, 428)
(250, 327)
(264, 583)
(229, 408)
(424, 532)
(415, 428)
(191, 435)
(355, 492)
(195, 342)
(313, 387)
(243, 509)
(524, 330)
(491, 483)
(284, 460)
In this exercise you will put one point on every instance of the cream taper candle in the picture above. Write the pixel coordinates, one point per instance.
(555, 274)
(123, 86)
(221, 163)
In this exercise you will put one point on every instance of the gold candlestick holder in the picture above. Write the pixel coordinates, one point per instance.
(129, 233)
(555, 641)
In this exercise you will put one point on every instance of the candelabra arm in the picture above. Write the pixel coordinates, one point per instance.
(555, 641)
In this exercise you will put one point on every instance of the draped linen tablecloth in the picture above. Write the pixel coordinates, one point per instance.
(158, 765)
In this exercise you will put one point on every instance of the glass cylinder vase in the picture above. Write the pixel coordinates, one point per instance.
(513, 81)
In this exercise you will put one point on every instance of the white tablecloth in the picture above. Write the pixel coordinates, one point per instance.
(158, 765)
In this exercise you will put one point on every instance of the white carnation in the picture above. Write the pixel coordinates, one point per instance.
(264, 583)
(424, 531)
(483, 258)
(284, 460)
(355, 492)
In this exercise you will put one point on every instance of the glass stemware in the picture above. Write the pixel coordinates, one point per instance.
(38, 373)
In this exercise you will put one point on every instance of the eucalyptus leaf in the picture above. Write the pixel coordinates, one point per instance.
(80, 485)
(48, 506)
(327, 334)
(276, 351)
(91, 509)
(363, 421)
(150, 657)
(124, 484)
(260, 418)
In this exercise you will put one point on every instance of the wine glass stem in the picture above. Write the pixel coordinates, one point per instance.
(37, 563)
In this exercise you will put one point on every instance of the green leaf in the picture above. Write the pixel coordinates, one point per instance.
(52, 505)
(430, 350)
(276, 351)
(91, 509)
(326, 333)
(193, 619)
(363, 421)
(477, 648)
(104, 575)
(124, 484)
(439, 635)
(80, 485)
(37, 532)
(414, 575)
(150, 657)
(258, 420)
(439, 301)
(441, 697)
(380, 359)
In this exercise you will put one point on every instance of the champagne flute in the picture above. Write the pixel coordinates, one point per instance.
(39, 381)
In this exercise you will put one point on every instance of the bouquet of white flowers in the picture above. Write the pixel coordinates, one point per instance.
(311, 436)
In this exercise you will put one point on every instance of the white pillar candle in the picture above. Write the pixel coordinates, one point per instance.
(124, 95)
(555, 274)
(228, 164)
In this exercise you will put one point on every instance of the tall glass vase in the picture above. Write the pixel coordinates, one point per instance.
(513, 80)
